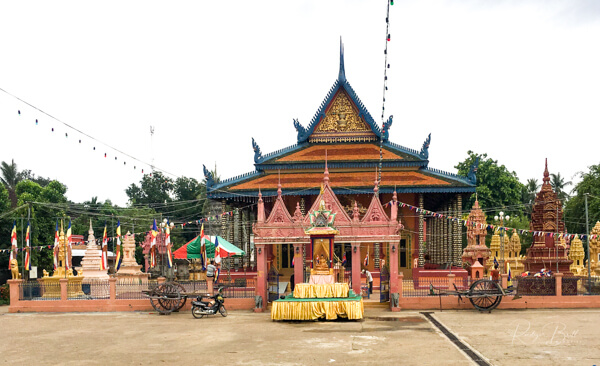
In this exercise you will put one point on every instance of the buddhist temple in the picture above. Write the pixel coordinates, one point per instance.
(344, 137)
(595, 251)
(546, 251)
(476, 250)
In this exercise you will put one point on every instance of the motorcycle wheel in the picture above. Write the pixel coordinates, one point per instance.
(197, 312)
(223, 311)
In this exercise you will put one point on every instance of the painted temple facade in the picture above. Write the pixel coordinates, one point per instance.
(343, 140)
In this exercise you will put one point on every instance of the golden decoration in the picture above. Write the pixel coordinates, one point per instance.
(341, 117)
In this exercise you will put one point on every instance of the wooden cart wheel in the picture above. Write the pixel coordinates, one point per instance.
(169, 297)
(183, 298)
(485, 295)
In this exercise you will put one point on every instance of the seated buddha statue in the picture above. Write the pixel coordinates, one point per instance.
(320, 265)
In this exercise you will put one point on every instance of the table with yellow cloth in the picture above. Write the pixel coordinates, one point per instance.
(306, 290)
(291, 308)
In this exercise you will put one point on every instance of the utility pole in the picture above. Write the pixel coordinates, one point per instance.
(587, 231)
(151, 149)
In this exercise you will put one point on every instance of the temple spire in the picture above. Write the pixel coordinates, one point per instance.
(326, 174)
(546, 174)
(342, 75)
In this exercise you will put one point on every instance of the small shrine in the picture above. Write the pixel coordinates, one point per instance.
(130, 272)
(51, 285)
(322, 234)
(476, 250)
(91, 265)
(595, 251)
(515, 259)
(547, 251)
(577, 255)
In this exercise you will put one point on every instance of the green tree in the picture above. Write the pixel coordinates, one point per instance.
(10, 178)
(575, 207)
(528, 197)
(498, 189)
(154, 191)
(558, 185)
(46, 204)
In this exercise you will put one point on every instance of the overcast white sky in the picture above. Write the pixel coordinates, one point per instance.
(519, 80)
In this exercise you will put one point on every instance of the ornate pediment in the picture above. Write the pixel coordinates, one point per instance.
(332, 204)
(342, 122)
(375, 212)
(279, 214)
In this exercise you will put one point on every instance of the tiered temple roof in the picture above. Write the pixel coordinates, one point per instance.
(343, 132)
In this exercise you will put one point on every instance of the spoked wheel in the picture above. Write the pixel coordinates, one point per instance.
(154, 301)
(170, 298)
(223, 311)
(485, 295)
(197, 312)
(183, 299)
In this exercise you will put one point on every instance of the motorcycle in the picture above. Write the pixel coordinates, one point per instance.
(201, 308)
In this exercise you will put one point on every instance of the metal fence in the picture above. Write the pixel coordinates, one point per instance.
(36, 291)
(536, 286)
(92, 289)
(421, 287)
(588, 286)
(240, 288)
(132, 289)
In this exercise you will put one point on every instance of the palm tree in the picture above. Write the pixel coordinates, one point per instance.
(558, 184)
(529, 191)
(10, 178)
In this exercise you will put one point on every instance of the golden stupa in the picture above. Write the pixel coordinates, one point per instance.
(51, 284)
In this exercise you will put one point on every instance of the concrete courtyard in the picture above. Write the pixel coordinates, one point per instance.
(527, 337)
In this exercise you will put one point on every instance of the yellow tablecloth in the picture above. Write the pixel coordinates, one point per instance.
(312, 310)
(306, 291)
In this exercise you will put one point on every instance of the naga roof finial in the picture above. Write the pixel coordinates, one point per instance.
(342, 74)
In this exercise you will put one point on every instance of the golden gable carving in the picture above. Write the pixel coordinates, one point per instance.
(341, 117)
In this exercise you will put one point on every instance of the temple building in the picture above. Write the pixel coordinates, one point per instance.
(359, 162)
(547, 251)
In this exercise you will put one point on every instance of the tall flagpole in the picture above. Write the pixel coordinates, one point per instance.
(587, 232)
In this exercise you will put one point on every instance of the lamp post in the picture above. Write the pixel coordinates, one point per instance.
(501, 217)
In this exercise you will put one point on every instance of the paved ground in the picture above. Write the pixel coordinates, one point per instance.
(531, 337)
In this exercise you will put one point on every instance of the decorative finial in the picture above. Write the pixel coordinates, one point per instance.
(376, 188)
(546, 174)
(342, 75)
(91, 229)
(279, 183)
(259, 195)
(326, 174)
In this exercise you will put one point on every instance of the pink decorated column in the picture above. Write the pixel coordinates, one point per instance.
(298, 264)
(394, 288)
(356, 268)
(262, 273)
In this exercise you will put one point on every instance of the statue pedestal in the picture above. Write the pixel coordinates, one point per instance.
(321, 279)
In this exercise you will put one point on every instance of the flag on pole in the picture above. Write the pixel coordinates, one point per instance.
(217, 250)
(118, 249)
(344, 260)
(366, 262)
(68, 249)
(153, 245)
(217, 274)
(509, 283)
(27, 253)
(56, 247)
(104, 261)
(168, 245)
(203, 258)
(13, 243)
(293, 261)
(496, 265)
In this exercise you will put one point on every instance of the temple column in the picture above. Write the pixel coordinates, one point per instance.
(393, 250)
(421, 234)
(458, 228)
(356, 268)
(261, 275)
(445, 237)
(436, 248)
(298, 263)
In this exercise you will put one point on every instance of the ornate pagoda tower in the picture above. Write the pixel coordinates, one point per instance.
(546, 250)
(576, 254)
(476, 251)
(595, 251)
